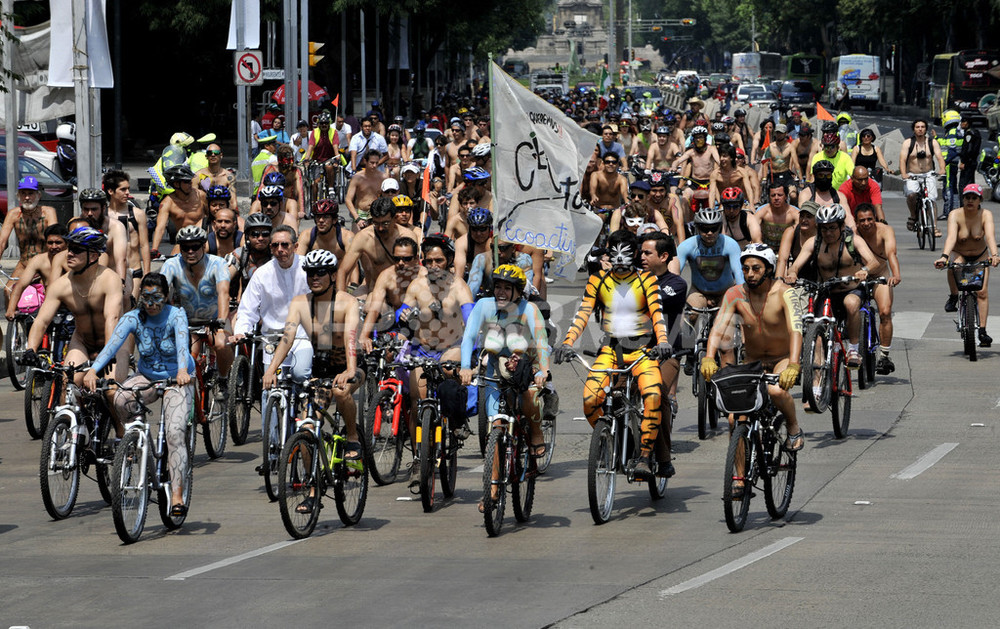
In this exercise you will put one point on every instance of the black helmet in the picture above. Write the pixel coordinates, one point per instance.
(89, 238)
(180, 172)
(93, 194)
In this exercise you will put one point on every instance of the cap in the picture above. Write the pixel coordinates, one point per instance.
(267, 139)
(410, 168)
(972, 188)
(30, 183)
(390, 184)
(640, 185)
(740, 151)
(781, 128)
(809, 207)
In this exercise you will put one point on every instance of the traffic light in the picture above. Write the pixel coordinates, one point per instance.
(688, 21)
(657, 29)
(666, 38)
(313, 48)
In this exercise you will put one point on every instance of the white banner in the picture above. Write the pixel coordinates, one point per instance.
(538, 159)
(36, 101)
(61, 45)
(251, 25)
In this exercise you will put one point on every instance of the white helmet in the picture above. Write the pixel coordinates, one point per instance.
(481, 150)
(762, 251)
(319, 259)
(830, 214)
(708, 216)
(699, 130)
(66, 131)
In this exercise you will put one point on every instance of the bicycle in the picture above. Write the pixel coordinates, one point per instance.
(924, 225)
(209, 397)
(756, 447)
(700, 330)
(41, 393)
(313, 460)
(869, 341)
(141, 466)
(243, 384)
(508, 460)
(615, 441)
(826, 380)
(15, 344)
(386, 411)
(438, 445)
(969, 281)
(279, 423)
(77, 437)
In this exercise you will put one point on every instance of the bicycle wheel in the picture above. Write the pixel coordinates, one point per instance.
(350, 489)
(239, 400)
(929, 225)
(213, 431)
(522, 486)
(37, 388)
(173, 522)
(874, 343)
(779, 475)
(816, 377)
(840, 406)
(429, 424)
(921, 227)
(494, 485)
(449, 460)
(484, 422)
(969, 316)
(864, 348)
(601, 472)
(105, 457)
(549, 433)
(300, 486)
(272, 443)
(705, 408)
(59, 474)
(131, 501)
(16, 341)
(383, 449)
(737, 488)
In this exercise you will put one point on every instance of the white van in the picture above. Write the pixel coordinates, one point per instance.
(863, 76)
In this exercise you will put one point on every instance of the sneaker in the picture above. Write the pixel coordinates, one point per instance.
(985, 340)
(853, 359)
(641, 468)
(665, 469)
(885, 366)
(952, 304)
(414, 483)
(689, 367)
(673, 405)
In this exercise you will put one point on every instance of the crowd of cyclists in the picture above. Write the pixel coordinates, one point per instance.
(755, 215)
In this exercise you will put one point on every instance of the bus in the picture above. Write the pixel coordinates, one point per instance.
(757, 66)
(863, 76)
(960, 79)
(807, 67)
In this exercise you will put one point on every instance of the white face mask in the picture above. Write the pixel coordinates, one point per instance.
(633, 222)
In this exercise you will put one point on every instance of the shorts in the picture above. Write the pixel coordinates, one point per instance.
(419, 351)
(912, 185)
(837, 302)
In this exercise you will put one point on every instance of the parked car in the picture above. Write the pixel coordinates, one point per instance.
(28, 146)
(56, 191)
(745, 90)
(798, 93)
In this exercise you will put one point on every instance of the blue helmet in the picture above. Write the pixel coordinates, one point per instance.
(273, 178)
(218, 193)
(89, 238)
(476, 174)
(480, 217)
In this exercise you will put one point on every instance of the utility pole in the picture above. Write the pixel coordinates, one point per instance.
(612, 55)
(303, 63)
(81, 96)
(10, 106)
(242, 124)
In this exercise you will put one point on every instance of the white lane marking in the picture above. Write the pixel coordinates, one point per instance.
(731, 567)
(477, 470)
(925, 462)
(910, 325)
(180, 576)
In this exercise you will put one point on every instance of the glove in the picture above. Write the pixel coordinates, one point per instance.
(29, 358)
(708, 367)
(788, 376)
(661, 352)
(562, 354)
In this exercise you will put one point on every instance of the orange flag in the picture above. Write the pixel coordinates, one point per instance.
(425, 192)
(767, 143)
(336, 101)
(822, 113)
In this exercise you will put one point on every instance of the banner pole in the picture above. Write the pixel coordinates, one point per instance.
(493, 156)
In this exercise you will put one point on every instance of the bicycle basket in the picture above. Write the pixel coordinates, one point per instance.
(969, 279)
(740, 389)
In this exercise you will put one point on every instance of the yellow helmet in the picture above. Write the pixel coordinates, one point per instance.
(950, 117)
(510, 273)
(401, 200)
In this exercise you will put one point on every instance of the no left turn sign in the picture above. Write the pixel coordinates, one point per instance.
(249, 67)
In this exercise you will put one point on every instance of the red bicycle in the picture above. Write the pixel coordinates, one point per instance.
(387, 411)
(209, 398)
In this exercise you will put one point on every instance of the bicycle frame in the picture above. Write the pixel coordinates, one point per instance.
(72, 407)
(140, 426)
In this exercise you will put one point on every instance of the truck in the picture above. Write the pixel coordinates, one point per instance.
(863, 76)
(550, 81)
(752, 67)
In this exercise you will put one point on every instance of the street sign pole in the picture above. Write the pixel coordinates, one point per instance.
(303, 62)
(242, 123)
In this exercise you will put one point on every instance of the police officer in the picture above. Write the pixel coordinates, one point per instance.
(951, 142)
(973, 143)
(268, 155)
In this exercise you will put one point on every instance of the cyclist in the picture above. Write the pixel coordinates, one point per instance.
(41, 271)
(739, 224)
(225, 237)
(608, 187)
(714, 259)
(116, 184)
(664, 152)
(870, 156)
(328, 234)
(727, 176)
(782, 167)
(703, 158)
(482, 268)
(920, 158)
(776, 215)
(771, 326)
(93, 207)
(186, 205)
(822, 190)
(365, 145)
(477, 180)
(970, 239)
(632, 323)
(881, 239)
(255, 252)
(390, 287)
(666, 204)
(793, 239)
(477, 240)
(214, 175)
(455, 170)
(859, 190)
(365, 186)
(403, 214)
(160, 334)
(835, 252)
(843, 166)
(330, 319)
(271, 202)
(371, 245)
(804, 147)
(28, 220)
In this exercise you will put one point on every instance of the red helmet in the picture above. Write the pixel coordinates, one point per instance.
(734, 195)
(325, 206)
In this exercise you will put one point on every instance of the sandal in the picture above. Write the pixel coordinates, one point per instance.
(306, 506)
(797, 438)
(739, 488)
(538, 450)
(937, 233)
(352, 451)
(178, 511)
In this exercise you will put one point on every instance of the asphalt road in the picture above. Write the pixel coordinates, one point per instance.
(890, 527)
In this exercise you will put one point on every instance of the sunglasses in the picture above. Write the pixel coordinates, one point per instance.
(612, 162)
(480, 228)
(637, 195)
(259, 234)
(270, 203)
(190, 248)
(707, 229)
(316, 272)
(76, 249)
(281, 245)
(403, 258)
(213, 152)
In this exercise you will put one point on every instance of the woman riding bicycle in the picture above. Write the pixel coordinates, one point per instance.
(970, 239)
(161, 339)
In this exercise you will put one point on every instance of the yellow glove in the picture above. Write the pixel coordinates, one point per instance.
(708, 367)
(788, 376)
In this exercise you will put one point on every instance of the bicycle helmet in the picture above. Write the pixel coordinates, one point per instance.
(845, 118)
(92, 195)
(89, 238)
(829, 127)
(273, 178)
(218, 193)
(732, 195)
(319, 259)
(481, 150)
(475, 174)
(272, 192)
(191, 233)
(830, 214)
(480, 217)
(396, 128)
(663, 130)
(728, 120)
(740, 112)
(722, 138)
(180, 172)
(257, 220)
(324, 118)
(512, 274)
(823, 166)
(301, 123)
(708, 216)
(762, 251)
(66, 131)
(718, 126)
(437, 239)
(699, 130)
(322, 207)
(401, 200)
(950, 118)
